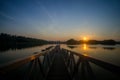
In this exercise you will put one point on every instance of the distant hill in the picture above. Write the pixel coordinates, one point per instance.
(72, 41)
(104, 42)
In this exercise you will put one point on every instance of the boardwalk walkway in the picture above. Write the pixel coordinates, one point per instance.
(58, 71)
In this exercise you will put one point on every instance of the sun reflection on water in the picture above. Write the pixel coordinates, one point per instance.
(85, 47)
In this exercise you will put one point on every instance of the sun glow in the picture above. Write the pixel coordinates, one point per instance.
(85, 38)
(84, 47)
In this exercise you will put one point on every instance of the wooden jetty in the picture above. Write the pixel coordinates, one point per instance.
(55, 63)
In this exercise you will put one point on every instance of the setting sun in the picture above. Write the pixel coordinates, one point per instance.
(85, 38)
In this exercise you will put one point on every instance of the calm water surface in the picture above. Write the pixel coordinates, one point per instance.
(13, 54)
(108, 53)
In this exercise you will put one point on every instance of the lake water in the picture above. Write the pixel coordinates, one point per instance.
(13, 54)
(107, 53)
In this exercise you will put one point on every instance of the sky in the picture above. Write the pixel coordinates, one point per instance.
(61, 19)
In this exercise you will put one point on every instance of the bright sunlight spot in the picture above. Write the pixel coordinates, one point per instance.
(85, 38)
(84, 47)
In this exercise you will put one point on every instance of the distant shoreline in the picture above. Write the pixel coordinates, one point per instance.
(13, 40)
(103, 42)
(7, 39)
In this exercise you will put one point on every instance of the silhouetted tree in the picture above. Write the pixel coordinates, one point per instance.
(6, 39)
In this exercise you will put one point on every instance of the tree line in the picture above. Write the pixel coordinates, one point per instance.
(7, 39)
(104, 42)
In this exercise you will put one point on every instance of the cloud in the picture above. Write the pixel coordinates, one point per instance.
(45, 10)
(51, 15)
(7, 16)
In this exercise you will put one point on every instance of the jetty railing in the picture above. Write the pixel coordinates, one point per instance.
(78, 65)
(41, 61)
